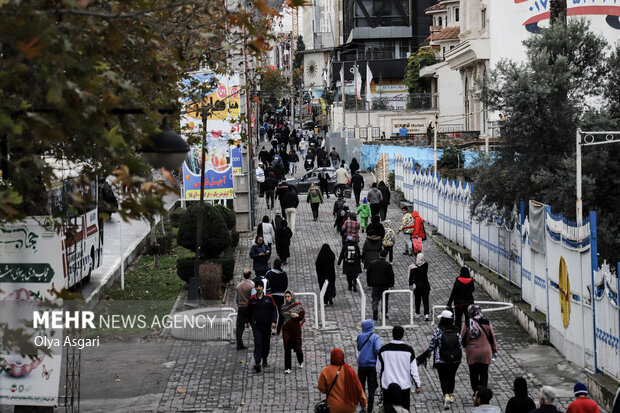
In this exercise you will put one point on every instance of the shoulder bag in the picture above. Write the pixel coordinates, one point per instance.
(322, 407)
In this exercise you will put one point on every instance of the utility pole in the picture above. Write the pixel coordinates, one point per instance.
(435, 144)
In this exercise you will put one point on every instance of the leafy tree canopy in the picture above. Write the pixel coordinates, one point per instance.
(272, 86)
(423, 57)
(545, 100)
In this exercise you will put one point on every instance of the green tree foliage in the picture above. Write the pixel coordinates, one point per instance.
(83, 80)
(215, 235)
(228, 215)
(423, 57)
(452, 158)
(545, 100)
(273, 84)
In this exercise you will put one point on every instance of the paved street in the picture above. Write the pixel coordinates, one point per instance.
(214, 377)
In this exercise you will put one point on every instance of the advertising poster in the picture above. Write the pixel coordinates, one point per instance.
(218, 181)
(31, 267)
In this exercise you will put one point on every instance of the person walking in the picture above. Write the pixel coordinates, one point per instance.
(374, 197)
(263, 156)
(546, 400)
(277, 282)
(520, 402)
(303, 147)
(292, 317)
(269, 186)
(260, 253)
(354, 166)
(290, 201)
(325, 271)
(276, 222)
(418, 234)
(406, 226)
(368, 345)
(351, 228)
(357, 182)
(342, 179)
(350, 254)
(375, 230)
(582, 403)
(389, 239)
(283, 242)
(480, 346)
(418, 282)
(282, 190)
(315, 199)
(462, 296)
(265, 230)
(260, 179)
(262, 316)
(380, 277)
(341, 385)
(445, 348)
(334, 158)
(364, 213)
(324, 182)
(396, 363)
(482, 398)
(385, 202)
(242, 297)
(293, 158)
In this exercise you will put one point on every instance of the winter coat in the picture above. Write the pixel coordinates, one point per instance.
(436, 341)
(338, 205)
(355, 166)
(350, 268)
(370, 252)
(481, 348)
(270, 183)
(364, 211)
(419, 277)
(357, 181)
(277, 280)
(289, 200)
(325, 270)
(315, 199)
(283, 242)
(260, 262)
(262, 311)
(462, 292)
(385, 193)
(265, 229)
(389, 237)
(374, 196)
(380, 274)
(342, 176)
(375, 230)
(418, 226)
(370, 350)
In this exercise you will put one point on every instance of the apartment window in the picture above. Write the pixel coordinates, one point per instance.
(483, 18)
(439, 22)
(456, 15)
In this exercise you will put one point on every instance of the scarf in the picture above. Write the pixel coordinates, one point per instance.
(293, 308)
(313, 190)
(352, 386)
(419, 260)
(475, 314)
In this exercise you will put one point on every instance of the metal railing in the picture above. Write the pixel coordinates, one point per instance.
(322, 297)
(500, 306)
(362, 298)
(316, 307)
(385, 293)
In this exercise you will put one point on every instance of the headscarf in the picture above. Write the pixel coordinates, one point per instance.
(520, 387)
(352, 386)
(313, 189)
(475, 315)
(419, 260)
(326, 256)
(288, 309)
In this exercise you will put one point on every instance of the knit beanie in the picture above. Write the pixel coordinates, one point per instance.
(580, 389)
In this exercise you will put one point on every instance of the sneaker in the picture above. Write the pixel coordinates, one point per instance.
(257, 368)
(287, 371)
(301, 366)
(416, 316)
(446, 403)
(451, 397)
(426, 317)
(406, 252)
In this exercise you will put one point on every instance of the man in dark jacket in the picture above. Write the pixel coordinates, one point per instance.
(277, 283)
(263, 315)
(264, 156)
(374, 197)
(280, 191)
(385, 202)
(269, 186)
(462, 295)
(338, 205)
(260, 253)
(357, 182)
(289, 201)
(380, 277)
(350, 254)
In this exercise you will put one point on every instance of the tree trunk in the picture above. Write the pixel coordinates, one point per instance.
(558, 11)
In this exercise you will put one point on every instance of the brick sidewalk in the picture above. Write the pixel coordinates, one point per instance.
(214, 377)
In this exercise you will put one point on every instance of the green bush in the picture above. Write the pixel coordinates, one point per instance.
(215, 235)
(228, 215)
(185, 268)
(234, 238)
(392, 180)
(175, 217)
(228, 266)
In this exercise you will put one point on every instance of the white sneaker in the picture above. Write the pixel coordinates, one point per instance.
(426, 318)
(451, 397)
(446, 402)
(287, 371)
(301, 366)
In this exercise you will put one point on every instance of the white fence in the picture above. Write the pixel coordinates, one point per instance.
(552, 260)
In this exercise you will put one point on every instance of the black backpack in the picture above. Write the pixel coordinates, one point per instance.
(351, 254)
(450, 350)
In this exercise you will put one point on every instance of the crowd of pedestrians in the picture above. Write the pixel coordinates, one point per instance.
(386, 371)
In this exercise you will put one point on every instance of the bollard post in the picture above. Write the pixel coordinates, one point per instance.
(363, 298)
(322, 296)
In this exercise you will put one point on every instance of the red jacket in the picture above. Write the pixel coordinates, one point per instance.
(583, 405)
(418, 226)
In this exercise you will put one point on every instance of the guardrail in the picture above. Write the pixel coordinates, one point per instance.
(316, 307)
(501, 306)
(322, 296)
(363, 298)
(385, 293)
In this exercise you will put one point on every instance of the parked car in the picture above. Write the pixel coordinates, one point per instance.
(302, 184)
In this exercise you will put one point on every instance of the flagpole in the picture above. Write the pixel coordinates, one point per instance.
(344, 103)
(368, 98)
(356, 74)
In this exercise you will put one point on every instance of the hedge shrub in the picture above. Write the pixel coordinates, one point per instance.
(215, 234)
(164, 240)
(175, 217)
(228, 215)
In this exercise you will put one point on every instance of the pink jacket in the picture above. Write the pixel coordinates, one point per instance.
(481, 348)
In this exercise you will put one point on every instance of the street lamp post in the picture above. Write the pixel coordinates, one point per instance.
(435, 144)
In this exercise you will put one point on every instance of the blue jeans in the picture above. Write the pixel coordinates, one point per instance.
(334, 163)
(303, 153)
(292, 167)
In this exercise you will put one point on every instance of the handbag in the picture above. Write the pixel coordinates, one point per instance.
(417, 245)
(322, 407)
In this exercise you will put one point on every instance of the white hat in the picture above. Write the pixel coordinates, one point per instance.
(445, 314)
